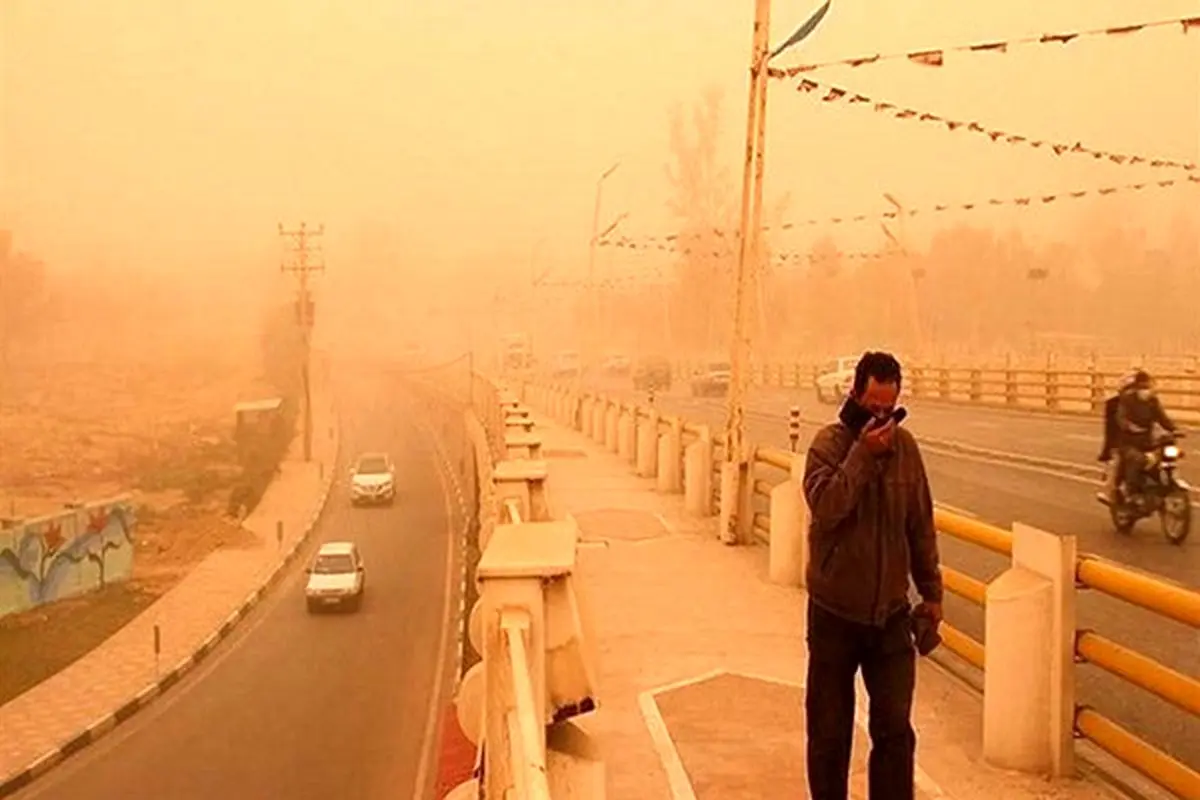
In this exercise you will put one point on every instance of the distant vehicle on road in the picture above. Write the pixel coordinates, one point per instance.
(373, 480)
(617, 364)
(566, 364)
(836, 380)
(711, 380)
(652, 373)
(336, 578)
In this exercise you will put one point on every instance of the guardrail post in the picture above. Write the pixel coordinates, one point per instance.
(504, 587)
(599, 417)
(647, 445)
(789, 528)
(1052, 389)
(976, 386)
(525, 482)
(627, 434)
(697, 475)
(670, 459)
(1011, 393)
(944, 383)
(1095, 389)
(518, 446)
(586, 414)
(612, 417)
(918, 382)
(736, 499)
(1029, 682)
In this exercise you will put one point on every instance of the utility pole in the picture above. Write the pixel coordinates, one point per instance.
(301, 246)
(735, 465)
(593, 299)
(915, 272)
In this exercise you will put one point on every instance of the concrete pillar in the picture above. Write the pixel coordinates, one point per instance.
(599, 420)
(1029, 683)
(670, 459)
(736, 501)
(585, 417)
(499, 593)
(627, 435)
(789, 529)
(697, 478)
(647, 445)
(611, 415)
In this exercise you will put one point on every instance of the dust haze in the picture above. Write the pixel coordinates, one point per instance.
(452, 152)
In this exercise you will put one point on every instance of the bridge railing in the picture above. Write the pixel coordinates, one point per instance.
(536, 668)
(1076, 389)
(1030, 608)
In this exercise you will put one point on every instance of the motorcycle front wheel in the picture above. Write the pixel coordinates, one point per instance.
(1176, 516)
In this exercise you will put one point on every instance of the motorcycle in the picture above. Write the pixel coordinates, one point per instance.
(1162, 492)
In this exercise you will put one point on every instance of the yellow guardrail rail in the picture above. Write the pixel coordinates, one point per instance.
(1093, 573)
(1073, 389)
(526, 735)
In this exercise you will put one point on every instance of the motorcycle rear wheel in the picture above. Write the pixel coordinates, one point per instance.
(1123, 517)
(1176, 516)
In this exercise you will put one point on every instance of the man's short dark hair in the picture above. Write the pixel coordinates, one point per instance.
(883, 367)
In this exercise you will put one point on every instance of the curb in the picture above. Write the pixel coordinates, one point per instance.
(14, 782)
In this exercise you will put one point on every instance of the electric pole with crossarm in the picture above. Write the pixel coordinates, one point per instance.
(301, 247)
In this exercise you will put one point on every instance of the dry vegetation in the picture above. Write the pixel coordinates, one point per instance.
(149, 413)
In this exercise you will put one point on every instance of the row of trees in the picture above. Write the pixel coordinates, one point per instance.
(972, 289)
(23, 296)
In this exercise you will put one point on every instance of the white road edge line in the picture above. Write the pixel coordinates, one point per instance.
(678, 781)
(435, 700)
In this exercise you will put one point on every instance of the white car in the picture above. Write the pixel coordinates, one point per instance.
(336, 578)
(373, 480)
(835, 383)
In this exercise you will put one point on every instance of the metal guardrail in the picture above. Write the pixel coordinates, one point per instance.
(526, 737)
(1049, 389)
(1092, 573)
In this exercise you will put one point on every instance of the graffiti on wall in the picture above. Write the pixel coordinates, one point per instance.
(58, 556)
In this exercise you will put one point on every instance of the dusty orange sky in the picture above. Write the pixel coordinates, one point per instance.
(455, 134)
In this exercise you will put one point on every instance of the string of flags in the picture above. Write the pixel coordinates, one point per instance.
(833, 94)
(936, 57)
(661, 242)
(778, 258)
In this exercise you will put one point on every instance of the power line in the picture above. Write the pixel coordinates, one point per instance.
(935, 57)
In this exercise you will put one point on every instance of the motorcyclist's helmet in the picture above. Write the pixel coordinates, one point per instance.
(1143, 384)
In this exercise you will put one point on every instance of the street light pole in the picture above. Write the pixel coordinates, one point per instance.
(592, 297)
(915, 273)
(734, 467)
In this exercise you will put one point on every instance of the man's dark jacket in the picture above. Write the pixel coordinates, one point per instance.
(872, 526)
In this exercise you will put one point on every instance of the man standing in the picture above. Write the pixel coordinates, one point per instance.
(872, 527)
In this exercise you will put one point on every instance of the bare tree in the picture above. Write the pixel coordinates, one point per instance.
(702, 199)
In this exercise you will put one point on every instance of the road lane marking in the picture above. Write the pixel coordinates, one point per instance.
(1090, 438)
(435, 699)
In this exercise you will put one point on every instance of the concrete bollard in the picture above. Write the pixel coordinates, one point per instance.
(1029, 683)
(789, 529)
(670, 459)
(626, 436)
(647, 446)
(697, 478)
(599, 421)
(611, 416)
(585, 417)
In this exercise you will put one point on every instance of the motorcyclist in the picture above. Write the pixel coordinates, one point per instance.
(1109, 451)
(1138, 410)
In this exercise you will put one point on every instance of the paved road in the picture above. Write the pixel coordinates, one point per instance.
(1071, 438)
(298, 706)
(1000, 494)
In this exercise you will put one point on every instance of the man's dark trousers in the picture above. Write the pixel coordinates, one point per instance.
(837, 648)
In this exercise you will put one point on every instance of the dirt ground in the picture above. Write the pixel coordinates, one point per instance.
(80, 432)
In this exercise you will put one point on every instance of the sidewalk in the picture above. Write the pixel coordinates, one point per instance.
(80, 704)
(702, 660)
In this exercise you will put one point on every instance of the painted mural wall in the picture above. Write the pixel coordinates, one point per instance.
(54, 557)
